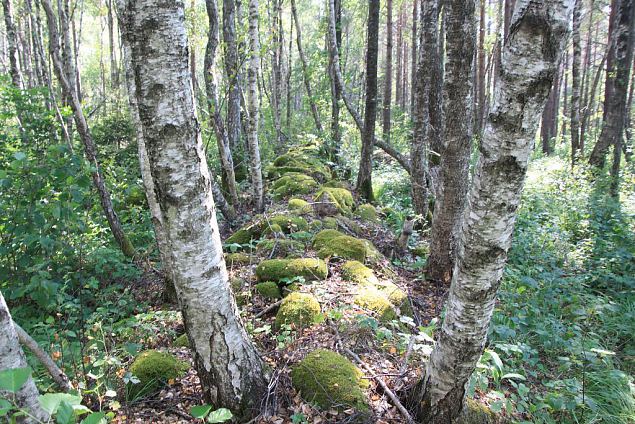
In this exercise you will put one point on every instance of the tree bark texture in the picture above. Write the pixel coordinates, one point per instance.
(231, 371)
(232, 71)
(386, 112)
(12, 43)
(576, 64)
(11, 357)
(537, 37)
(364, 186)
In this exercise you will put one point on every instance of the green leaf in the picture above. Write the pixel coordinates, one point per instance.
(95, 418)
(200, 411)
(513, 376)
(5, 407)
(12, 379)
(65, 413)
(220, 416)
(51, 401)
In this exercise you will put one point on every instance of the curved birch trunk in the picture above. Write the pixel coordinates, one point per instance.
(255, 168)
(231, 371)
(12, 356)
(69, 89)
(537, 38)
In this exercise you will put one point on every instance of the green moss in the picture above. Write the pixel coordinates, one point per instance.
(286, 223)
(330, 380)
(349, 224)
(239, 288)
(373, 300)
(300, 206)
(358, 272)
(181, 341)
(334, 184)
(277, 269)
(245, 234)
(153, 369)
(269, 289)
(280, 248)
(346, 247)
(325, 237)
(300, 160)
(293, 184)
(290, 288)
(421, 250)
(237, 284)
(367, 213)
(300, 309)
(330, 223)
(475, 412)
(397, 297)
(341, 198)
(235, 259)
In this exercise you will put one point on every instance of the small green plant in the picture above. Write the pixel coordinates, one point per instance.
(210, 415)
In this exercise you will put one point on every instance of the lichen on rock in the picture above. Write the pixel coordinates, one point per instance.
(329, 380)
(299, 309)
(310, 269)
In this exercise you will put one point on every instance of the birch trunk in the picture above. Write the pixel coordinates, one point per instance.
(12, 43)
(222, 140)
(364, 186)
(413, 53)
(305, 70)
(258, 194)
(12, 356)
(276, 72)
(537, 37)
(84, 132)
(336, 95)
(231, 371)
(232, 70)
(388, 74)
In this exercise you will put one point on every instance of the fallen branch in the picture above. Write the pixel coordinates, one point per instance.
(395, 400)
(56, 373)
(268, 309)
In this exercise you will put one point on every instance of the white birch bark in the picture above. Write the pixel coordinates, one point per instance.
(231, 371)
(538, 35)
(255, 168)
(12, 356)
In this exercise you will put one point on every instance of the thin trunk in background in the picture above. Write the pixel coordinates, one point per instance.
(576, 63)
(276, 72)
(232, 72)
(255, 168)
(413, 54)
(12, 42)
(114, 67)
(305, 71)
(231, 371)
(538, 35)
(84, 132)
(213, 106)
(364, 186)
(336, 133)
(400, 57)
(479, 88)
(586, 76)
(386, 112)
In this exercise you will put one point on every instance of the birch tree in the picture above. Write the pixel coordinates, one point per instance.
(255, 168)
(69, 87)
(537, 37)
(386, 112)
(576, 63)
(12, 43)
(231, 371)
(11, 357)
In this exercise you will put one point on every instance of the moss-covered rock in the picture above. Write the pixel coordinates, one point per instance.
(181, 341)
(293, 184)
(367, 213)
(153, 369)
(237, 259)
(280, 248)
(300, 309)
(329, 380)
(286, 223)
(300, 206)
(335, 184)
(475, 412)
(245, 234)
(396, 296)
(290, 288)
(340, 199)
(348, 224)
(325, 237)
(304, 159)
(277, 269)
(269, 289)
(373, 300)
(329, 223)
(359, 273)
(346, 247)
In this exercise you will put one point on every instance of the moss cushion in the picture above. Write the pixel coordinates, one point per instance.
(277, 269)
(300, 309)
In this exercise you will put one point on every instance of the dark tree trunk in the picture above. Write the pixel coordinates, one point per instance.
(232, 71)
(336, 94)
(479, 89)
(449, 206)
(386, 112)
(400, 58)
(364, 184)
(413, 63)
(615, 105)
(586, 77)
(576, 63)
